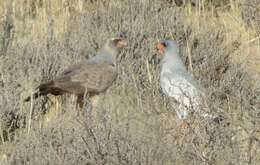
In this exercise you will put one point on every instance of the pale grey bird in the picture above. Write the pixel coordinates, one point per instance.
(90, 77)
(179, 84)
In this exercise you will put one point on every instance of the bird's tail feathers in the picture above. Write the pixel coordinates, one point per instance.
(41, 90)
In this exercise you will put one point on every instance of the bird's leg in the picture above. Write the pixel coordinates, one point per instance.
(57, 105)
(80, 101)
(54, 110)
(88, 106)
(182, 114)
(181, 132)
(94, 100)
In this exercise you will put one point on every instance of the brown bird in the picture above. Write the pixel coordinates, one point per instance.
(90, 77)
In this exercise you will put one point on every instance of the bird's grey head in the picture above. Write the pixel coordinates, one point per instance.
(167, 46)
(114, 45)
(171, 58)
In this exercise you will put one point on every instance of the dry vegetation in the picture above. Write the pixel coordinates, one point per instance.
(133, 123)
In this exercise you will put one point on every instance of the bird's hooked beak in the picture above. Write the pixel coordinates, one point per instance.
(120, 43)
(160, 46)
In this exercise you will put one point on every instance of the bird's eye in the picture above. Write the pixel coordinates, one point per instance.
(115, 41)
(161, 47)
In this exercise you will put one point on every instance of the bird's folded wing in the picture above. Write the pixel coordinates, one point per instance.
(73, 69)
(95, 77)
(181, 89)
(87, 77)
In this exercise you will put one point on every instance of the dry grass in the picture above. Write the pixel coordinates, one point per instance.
(133, 123)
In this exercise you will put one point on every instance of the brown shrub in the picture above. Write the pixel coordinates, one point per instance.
(133, 123)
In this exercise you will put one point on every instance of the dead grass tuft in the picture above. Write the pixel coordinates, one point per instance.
(133, 122)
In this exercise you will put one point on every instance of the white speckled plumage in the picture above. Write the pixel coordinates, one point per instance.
(179, 84)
